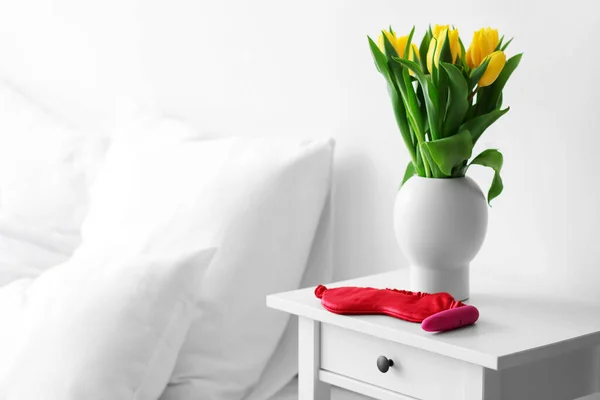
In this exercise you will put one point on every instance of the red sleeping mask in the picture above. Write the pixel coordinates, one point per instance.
(436, 312)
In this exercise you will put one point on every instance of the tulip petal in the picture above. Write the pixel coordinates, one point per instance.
(477, 52)
(442, 38)
(494, 37)
(454, 44)
(471, 52)
(400, 45)
(487, 47)
(496, 62)
(491, 41)
(431, 54)
(469, 60)
(477, 73)
(437, 30)
(443, 51)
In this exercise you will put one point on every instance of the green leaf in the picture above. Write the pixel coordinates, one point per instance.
(478, 73)
(390, 51)
(423, 49)
(435, 170)
(410, 100)
(499, 45)
(458, 103)
(423, 107)
(409, 173)
(442, 87)
(408, 43)
(446, 53)
(379, 58)
(459, 170)
(451, 151)
(430, 95)
(402, 80)
(471, 112)
(463, 56)
(492, 92)
(479, 124)
(434, 69)
(402, 114)
(420, 165)
(506, 44)
(493, 159)
(402, 121)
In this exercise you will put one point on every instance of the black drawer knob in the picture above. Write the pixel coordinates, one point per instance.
(384, 364)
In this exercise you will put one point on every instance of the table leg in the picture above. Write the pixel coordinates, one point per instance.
(481, 384)
(309, 357)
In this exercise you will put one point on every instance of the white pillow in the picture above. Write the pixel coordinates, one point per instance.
(258, 199)
(282, 367)
(98, 327)
(46, 168)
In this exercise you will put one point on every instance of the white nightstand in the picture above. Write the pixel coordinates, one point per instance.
(526, 345)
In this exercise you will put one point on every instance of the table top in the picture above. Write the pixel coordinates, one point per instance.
(517, 324)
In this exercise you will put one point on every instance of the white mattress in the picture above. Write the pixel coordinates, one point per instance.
(290, 392)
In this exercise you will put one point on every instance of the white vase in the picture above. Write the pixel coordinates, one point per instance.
(440, 226)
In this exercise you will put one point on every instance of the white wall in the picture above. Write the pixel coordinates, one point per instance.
(303, 68)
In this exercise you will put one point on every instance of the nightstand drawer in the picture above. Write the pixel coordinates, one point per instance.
(417, 373)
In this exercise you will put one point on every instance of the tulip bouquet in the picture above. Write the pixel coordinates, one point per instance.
(444, 97)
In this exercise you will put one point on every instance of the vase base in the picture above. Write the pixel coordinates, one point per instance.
(451, 280)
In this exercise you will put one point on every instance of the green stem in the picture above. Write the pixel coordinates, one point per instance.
(410, 145)
(420, 139)
(402, 121)
(470, 98)
(412, 152)
(425, 163)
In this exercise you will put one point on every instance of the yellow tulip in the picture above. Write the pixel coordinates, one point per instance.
(440, 33)
(483, 44)
(399, 44)
(482, 48)
(497, 61)
(390, 36)
(437, 29)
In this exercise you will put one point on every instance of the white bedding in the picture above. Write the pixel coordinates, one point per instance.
(285, 183)
(264, 200)
(290, 392)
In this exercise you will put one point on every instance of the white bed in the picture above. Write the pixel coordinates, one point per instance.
(162, 243)
(68, 92)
